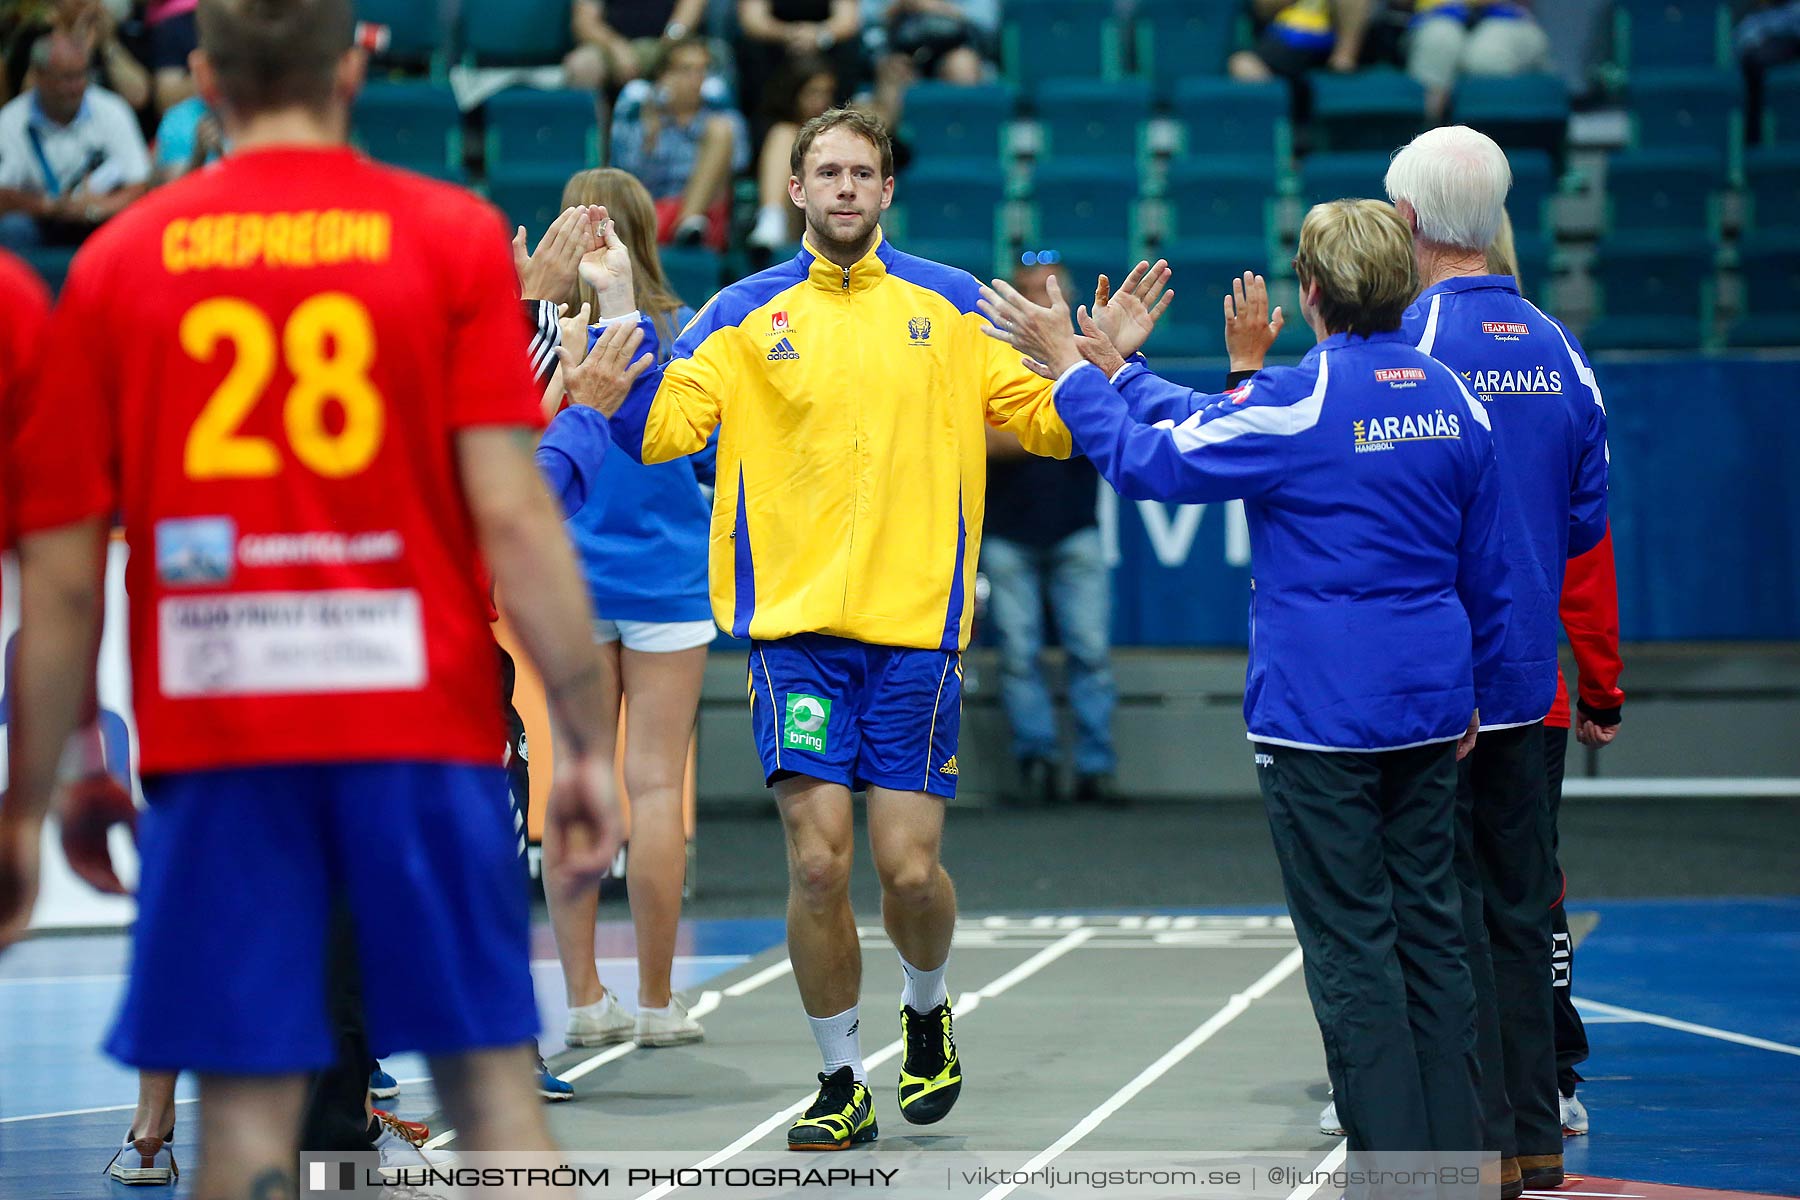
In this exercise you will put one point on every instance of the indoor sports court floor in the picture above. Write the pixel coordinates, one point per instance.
(1082, 1029)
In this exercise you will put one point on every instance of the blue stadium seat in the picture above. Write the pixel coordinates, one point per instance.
(1205, 267)
(1781, 105)
(948, 121)
(1695, 109)
(1179, 38)
(530, 195)
(1534, 183)
(1769, 265)
(50, 262)
(693, 271)
(1188, 339)
(974, 255)
(957, 200)
(1655, 191)
(1077, 201)
(1655, 292)
(529, 128)
(411, 125)
(1376, 109)
(1533, 251)
(1086, 259)
(416, 35)
(507, 33)
(1521, 112)
(1772, 178)
(1059, 39)
(1343, 176)
(1671, 33)
(1211, 197)
(1094, 118)
(1222, 116)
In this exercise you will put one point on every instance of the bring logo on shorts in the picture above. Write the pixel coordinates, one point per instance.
(803, 725)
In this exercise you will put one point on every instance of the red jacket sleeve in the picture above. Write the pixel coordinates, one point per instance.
(1590, 617)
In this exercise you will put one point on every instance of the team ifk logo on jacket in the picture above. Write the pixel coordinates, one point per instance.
(920, 329)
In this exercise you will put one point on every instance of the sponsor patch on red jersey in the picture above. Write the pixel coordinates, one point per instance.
(1515, 328)
(1400, 374)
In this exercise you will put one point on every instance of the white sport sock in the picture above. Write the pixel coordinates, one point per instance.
(840, 1043)
(924, 990)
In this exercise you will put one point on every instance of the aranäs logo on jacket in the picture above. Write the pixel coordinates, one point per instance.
(1384, 433)
(1530, 381)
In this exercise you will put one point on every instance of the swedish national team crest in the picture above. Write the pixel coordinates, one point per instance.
(920, 329)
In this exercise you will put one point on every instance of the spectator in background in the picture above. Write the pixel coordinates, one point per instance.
(1041, 538)
(801, 91)
(187, 138)
(71, 155)
(1300, 36)
(621, 41)
(682, 144)
(173, 36)
(936, 39)
(1471, 37)
(772, 32)
(1767, 35)
(95, 25)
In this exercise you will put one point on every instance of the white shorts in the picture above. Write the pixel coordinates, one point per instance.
(655, 637)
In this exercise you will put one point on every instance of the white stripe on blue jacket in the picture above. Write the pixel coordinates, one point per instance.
(1378, 601)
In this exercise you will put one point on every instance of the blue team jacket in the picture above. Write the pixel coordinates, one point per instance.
(1378, 601)
(1549, 428)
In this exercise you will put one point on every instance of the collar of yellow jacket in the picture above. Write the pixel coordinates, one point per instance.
(868, 271)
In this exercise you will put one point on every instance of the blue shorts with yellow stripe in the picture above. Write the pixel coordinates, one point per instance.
(851, 713)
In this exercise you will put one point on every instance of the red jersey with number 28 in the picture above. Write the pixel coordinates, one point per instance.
(265, 367)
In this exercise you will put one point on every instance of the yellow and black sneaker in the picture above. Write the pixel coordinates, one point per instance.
(842, 1116)
(930, 1073)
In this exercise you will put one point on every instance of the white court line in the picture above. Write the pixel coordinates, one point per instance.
(1327, 1165)
(1723, 1035)
(768, 974)
(1234, 1008)
(1684, 789)
(82, 1112)
(965, 1004)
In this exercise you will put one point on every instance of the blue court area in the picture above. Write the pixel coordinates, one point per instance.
(1691, 1004)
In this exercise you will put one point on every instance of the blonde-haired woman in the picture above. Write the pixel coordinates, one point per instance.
(641, 539)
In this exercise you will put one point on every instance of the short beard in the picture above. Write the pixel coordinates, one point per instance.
(859, 245)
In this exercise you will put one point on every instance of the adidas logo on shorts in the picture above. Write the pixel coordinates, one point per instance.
(783, 351)
(948, 768)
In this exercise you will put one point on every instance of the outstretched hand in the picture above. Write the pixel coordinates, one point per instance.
(607, 269)
(88, 811)
(1128, 315)
(1250, 328)
(603, 378)
(1043, 334)
(549, 272)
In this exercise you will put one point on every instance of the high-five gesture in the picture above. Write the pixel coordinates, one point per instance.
(1250, 328)
(1038, 332)
(1127, 316)
(607, 269)
(549, 272)
(604, 377)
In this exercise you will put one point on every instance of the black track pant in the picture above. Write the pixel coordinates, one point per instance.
(1507, 870)
(1571, 1035)
(1366, 843)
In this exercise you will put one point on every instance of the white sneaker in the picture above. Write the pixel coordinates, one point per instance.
(771, 229)
(669, 1026)
(1329, 1125)
(404, 1158)
(1574, 1117)
(603, 1023)
(145, 1162)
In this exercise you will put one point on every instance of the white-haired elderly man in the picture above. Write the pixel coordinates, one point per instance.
(1549, 426)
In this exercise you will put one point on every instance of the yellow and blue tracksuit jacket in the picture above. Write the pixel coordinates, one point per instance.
(852, 466)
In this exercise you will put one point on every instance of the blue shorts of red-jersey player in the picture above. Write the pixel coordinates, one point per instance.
(241, 868)
(852, 713)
